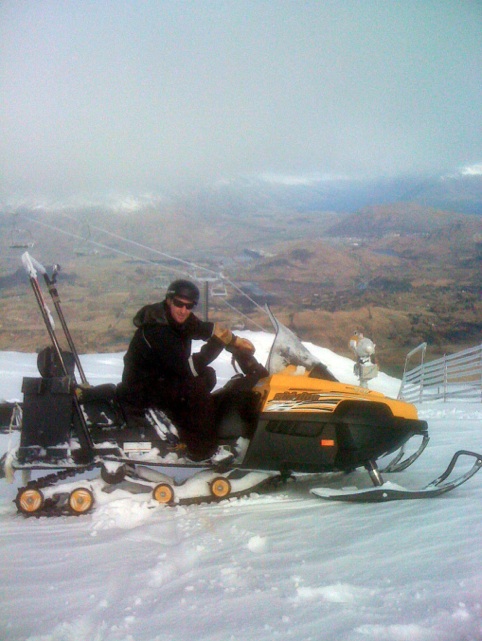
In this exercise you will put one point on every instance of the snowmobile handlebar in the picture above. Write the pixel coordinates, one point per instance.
(248, 364)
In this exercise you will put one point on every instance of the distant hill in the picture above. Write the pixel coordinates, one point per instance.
(457, 192)
(399, 218)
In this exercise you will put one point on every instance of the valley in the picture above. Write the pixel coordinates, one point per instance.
(403, 274)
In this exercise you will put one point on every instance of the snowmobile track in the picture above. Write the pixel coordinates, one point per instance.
(30, 500)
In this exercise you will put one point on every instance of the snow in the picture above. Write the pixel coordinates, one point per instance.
(284, 565)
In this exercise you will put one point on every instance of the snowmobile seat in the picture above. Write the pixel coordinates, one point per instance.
(104, 392)
(101, 405)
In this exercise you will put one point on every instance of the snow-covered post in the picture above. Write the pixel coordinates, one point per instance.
(445, 377)
(480, 370)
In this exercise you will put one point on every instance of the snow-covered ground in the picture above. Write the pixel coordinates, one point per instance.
(282, 566)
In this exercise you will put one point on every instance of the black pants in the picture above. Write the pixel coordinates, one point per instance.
(190, 406)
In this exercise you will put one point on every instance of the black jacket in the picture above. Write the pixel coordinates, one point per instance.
(161, 348)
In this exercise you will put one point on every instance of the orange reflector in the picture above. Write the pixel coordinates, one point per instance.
(327, 442)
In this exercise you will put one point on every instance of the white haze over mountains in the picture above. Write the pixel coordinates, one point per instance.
(345, 192)
(308, 179)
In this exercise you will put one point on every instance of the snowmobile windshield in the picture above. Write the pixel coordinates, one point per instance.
(287, 349)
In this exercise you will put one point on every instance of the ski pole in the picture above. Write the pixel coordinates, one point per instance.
(46, 315)
(51, 286)
(84, 434)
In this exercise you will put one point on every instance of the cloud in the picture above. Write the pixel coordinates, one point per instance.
(474, 170)
(143, 96)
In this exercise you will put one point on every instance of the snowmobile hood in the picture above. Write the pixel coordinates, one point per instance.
(290, 392)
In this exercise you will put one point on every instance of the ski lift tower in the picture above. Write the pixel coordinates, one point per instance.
(205, 280)
(218, 288)
(85, 247)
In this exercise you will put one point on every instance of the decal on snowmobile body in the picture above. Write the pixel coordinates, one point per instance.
(283, 392)
(292, 406)
(308, 401)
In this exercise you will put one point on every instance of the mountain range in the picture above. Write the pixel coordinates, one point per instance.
(396, 265)
(455, 191)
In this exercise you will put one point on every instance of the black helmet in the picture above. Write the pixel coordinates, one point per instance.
(183, 289)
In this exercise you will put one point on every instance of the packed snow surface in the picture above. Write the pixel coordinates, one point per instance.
(285, 565)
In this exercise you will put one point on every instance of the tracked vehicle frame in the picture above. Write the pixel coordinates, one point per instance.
(297, 419)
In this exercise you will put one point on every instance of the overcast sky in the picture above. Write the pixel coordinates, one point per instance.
(134, 96)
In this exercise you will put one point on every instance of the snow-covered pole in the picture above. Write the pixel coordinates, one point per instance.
(51, 285)
(31, 267)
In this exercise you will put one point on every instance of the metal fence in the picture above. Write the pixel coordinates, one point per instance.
(458, 376)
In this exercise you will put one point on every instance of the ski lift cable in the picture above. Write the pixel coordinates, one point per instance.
(243, 315)
(241, 291)
(107, 247)
(156, 251)
(148, 260)
(146, 247)
(217, 275)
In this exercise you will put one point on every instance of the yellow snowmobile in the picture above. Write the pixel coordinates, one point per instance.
(292, 417)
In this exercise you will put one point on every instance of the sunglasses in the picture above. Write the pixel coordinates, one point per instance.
(180, 304)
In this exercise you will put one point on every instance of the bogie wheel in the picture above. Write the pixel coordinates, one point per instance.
(220, 487)
(80, 500)
(112, 477)
(30, 501)
(163, 493)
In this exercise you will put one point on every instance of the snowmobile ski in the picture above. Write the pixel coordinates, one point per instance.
(391, 492)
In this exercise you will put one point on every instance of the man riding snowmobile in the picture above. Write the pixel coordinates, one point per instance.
(161, 373)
